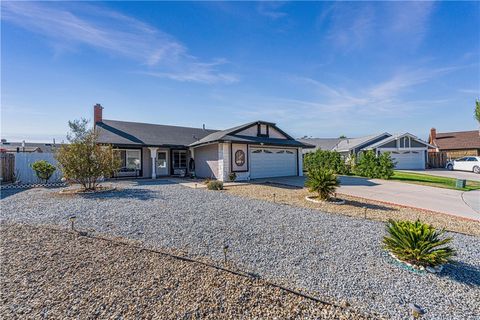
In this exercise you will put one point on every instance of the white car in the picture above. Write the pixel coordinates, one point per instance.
(465, 164)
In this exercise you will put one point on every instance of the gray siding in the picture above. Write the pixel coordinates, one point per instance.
(391, 144)
(206, 161)
(417, 144)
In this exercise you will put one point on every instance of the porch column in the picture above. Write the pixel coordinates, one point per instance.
(153, 154)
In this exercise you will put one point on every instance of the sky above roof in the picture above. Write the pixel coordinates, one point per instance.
(321, 69)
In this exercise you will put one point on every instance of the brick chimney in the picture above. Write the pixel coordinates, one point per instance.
(433, 136)
(97, 113)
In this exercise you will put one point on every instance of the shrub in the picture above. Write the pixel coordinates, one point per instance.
(207, 181)
(385, 166)
(85, 161)
(371, 166)
(417, 243)
(215, 185)
(330, 160)
(322, 181)
(232, 176)
(43, 169)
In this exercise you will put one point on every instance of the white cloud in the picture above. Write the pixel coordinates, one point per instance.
(271, 9)
(69, 26)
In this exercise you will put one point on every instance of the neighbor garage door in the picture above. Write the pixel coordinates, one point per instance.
(409, 159)
(272, 162)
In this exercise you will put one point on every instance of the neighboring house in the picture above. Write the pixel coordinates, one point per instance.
(455, 144)
(29, 147)
(257, 149)
(407, 150)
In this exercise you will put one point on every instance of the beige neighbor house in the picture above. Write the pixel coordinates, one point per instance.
(253, 150)
(455, 144)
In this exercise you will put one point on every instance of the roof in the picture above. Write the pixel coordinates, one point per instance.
(458, 140)
(349, 144)
(29, 147)
(322, 143)
(136, 133)
(231, 135)
(395, 137)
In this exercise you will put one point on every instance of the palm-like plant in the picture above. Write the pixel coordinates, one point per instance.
(417, 243)
(322, 181)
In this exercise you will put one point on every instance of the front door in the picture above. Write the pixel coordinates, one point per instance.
(162, 164)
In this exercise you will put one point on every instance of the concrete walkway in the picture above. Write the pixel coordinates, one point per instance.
(453, 202)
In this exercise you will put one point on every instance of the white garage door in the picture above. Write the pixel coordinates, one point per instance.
(409, 159)
(272, 162)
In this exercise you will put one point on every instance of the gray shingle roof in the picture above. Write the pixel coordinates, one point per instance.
(136, 133)
(230, 135)
(352, 143)
(30, 146)
(322, 143)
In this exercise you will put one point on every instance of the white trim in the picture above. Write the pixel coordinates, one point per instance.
(153, 155)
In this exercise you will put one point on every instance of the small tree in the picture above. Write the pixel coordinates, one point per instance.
(385, 166)
(329, 160)
(43, 169)
(322, 181)
(477, 110)
(371, 166)
(84, 160)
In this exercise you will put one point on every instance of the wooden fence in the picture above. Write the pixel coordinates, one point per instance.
(7, 167)
(437, 159)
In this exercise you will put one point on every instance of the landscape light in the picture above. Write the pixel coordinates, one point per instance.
(72, 221)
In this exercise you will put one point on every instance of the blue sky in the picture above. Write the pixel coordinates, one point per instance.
(320, 69)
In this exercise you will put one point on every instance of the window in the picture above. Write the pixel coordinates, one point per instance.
(179, 159)
(267, 151)
(130, 159)
(289, 152)
(257, 151)
(281, 151)
(461, 159)
(162, 159)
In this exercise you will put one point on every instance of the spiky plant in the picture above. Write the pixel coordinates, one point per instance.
(322, 181)
(417, 243)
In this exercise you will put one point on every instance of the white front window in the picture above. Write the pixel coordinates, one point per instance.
(130, 159)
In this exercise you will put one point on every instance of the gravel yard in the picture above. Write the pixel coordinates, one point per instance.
(355, 207)
(335, 257)
(58, 274)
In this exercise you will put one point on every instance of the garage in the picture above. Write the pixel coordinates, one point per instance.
(272, 162)
(409, 159)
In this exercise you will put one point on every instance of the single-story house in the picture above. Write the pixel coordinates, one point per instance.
(28, 147)
(455, 144)
(253, 150)
(406, 150)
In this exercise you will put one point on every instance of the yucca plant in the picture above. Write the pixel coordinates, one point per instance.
(417, 243)
(322, 181)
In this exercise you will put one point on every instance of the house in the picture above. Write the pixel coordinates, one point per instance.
(253, 150)
(455, 144)
(29, 147)
(406, 150)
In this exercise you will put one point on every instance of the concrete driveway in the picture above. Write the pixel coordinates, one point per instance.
(449, 174)
(453, 202)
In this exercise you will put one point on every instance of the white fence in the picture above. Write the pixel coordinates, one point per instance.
(24, 171)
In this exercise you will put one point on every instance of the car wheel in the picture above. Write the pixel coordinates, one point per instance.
(476, 169)
(450, 167)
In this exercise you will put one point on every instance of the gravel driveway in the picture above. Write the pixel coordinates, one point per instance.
(336, 257)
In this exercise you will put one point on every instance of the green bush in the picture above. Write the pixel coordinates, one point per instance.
(215, 185)
(417, 243)
(371, 166)
(43, 169)
(322, 181)
(232, 176)
(329, 160)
